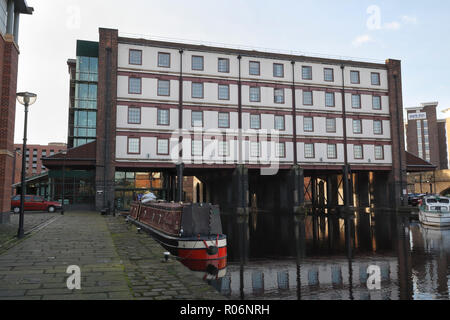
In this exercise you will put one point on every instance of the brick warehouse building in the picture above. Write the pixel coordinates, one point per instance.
(33, 158)
(428, 138)
(427, 135)
(333, 119)
(10, 11)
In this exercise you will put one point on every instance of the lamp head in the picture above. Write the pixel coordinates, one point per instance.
(26, 98)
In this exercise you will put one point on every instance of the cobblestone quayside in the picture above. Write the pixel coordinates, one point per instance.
(116, 263)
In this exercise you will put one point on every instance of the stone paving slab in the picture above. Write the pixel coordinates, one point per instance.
(8, 231)
(116, 263)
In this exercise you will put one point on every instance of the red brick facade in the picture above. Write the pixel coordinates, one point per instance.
(397, 178)
(35, 154)
(8, 74)
(106, 117)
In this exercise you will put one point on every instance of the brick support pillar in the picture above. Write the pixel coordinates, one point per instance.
(106, 118)
(9, 56)
(397, 182)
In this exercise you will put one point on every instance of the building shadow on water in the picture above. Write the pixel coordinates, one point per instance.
(279, 255)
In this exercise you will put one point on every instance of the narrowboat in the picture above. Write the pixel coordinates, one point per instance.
(189, 231)
(435, 211)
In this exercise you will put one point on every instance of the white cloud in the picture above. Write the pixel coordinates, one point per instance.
(360, 40)
(392, 25)
(409, 20)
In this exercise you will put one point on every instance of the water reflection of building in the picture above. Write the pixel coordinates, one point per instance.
(430, 262)
(319, 278)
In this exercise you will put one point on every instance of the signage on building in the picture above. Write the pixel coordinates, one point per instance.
(417, 116)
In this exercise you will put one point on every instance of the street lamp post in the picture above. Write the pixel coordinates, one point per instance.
(26, 99)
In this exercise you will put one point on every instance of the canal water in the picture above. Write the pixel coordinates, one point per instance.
(331, 257)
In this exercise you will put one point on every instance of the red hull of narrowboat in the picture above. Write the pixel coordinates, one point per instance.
(167, 223)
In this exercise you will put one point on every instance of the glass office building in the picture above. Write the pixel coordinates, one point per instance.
(83, 96)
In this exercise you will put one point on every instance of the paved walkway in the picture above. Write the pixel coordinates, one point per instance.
(8, 231)
(116, 263)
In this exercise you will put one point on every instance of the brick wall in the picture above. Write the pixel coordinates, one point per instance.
(442, 145)
(106, 117)
(56, 147)
(8, 77)
(397, 178)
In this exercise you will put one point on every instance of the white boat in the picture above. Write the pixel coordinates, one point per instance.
(435, 211)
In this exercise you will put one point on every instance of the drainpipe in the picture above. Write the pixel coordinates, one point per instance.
(180, 165)
(344, 123)
(294, 113)
(240, 112)
(16, 27)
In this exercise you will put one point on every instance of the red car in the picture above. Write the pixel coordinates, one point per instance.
(34, 203)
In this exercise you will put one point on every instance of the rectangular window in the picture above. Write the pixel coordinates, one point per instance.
(419, 138)
(197, 90)
(329, 99)
(134, 115)
(278, 70)
(356, 101)
(379, 153)
(224, 92)
(357, 126)
(197, 119)
(377, 127)
(197, 63)
(306, 73)
(255, 94)
(280, 150)
(197, 147)
(255, 121)
(163, 117)
(331, 151)
(163, 59)
(3, 15)
(358, 153)
(376, 102)
(254, 68)
(278, 95)
(135, 57)
(354, 77)
(307, 98)
(134, 85)
(328, 74)
(331, 125)
(224, 120)
(375, 78)
(224, 65)
(224, 149)
(308, 124)
(309, 150)
(163, 146)
(163, 87)
(134, 145)
(255, 149)
(279, 123)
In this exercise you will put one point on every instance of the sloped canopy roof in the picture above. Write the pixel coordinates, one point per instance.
(82, 156)
(416, 164)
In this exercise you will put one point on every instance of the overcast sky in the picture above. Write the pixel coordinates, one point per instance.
(415, 32)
